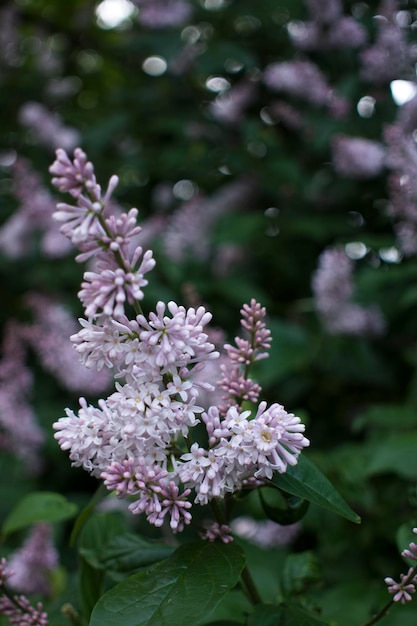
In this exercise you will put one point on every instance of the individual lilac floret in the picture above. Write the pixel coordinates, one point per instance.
(357, 157)
(33, 563)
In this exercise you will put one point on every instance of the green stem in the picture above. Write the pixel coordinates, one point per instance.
(249, 584)
(217, 512)
(380, 614)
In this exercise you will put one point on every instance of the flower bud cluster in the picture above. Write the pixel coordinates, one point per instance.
(139, 440)
(402, 591)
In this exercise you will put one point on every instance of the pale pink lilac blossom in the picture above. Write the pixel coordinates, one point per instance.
(390, 56)
(17, 607)
(47, 127)
(158, 14)
(265, 533)
(357, 157)
(17, 234)
(187, 232)
(135, 439)
(120, 275)
(48, 335)
(327, 28)
(332, 286)
(20, 433)
(33, 563)
(402, 162)
(304, 80)
(229, 107)
(402, 591)
(217, 531)
(235, 382)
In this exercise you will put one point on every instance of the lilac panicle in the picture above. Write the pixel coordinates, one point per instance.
(17, 607)
(357, 157)
(33, 563)
(332, 286)
(138, 440)
(235, 380)
(158, 14)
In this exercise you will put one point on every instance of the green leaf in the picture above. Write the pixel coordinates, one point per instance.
(39, 506)
(91, 581)
(105, 545)
(184, 589)
(97, 533)
(305, 480)
(300, 570)
(396, 454)
(127, 553)
(222, 622)
(283, 615)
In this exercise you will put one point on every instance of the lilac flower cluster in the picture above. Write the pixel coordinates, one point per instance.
(265, 533)
(402, 163)
(47, 127)
(33, 563)
(155, 14)
(390, 56)
(17, 607)
(304, 80)
(186, 232)
(327, 28)
(139, 440)
(22, 437)
(402, 591)
(356, 157)
(333, 291)
(48, 336)
(33, 215)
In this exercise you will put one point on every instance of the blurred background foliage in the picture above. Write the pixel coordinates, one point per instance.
(144, 104)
